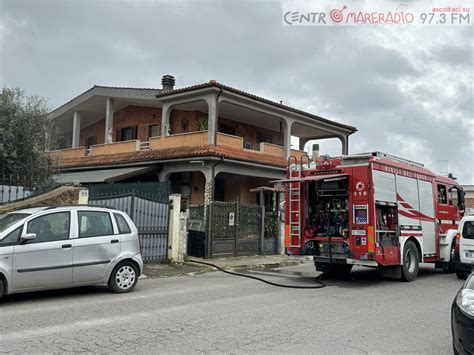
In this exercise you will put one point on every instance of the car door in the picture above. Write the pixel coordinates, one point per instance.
(466, 242)
(45, 261)
(95, 248)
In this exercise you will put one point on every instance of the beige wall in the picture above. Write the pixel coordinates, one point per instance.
(192, 139)
(118, 147)
(67, 153)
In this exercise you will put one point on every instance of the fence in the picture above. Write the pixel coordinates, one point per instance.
(147, 204)
(14, 188)
(231, 229)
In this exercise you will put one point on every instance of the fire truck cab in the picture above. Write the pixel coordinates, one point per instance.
(373, 210)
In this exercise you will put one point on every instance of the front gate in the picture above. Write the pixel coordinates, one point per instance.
(230, 229)
(233, 229)
(147, 204)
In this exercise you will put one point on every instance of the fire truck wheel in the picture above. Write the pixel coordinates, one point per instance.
(410, 262)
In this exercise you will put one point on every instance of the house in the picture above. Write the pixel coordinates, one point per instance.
(211, 141)
(469, 199)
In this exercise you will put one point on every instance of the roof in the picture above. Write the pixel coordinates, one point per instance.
(104, 175)
(218, 85)
(172, 153)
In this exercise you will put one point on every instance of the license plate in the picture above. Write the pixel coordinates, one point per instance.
(469, 254)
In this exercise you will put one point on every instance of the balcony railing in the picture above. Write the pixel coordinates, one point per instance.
(192, 139)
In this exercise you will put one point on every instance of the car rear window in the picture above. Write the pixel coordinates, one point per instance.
(94, 224)
(122, 224)
(468, 230)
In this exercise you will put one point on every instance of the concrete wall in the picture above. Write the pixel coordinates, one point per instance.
(229, 140)
(179, 140)
(67, 153)
(119, 147)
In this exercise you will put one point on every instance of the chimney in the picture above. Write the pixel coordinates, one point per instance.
(315, 153)
(167, 81)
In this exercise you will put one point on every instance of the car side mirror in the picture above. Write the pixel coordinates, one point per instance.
(26, 237)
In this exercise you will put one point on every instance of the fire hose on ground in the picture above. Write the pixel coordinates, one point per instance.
(320, 284)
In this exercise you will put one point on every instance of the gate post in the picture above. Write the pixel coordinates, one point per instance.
(174, 229)
(262, 221)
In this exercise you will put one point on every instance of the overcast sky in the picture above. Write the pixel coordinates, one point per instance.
(408, 90)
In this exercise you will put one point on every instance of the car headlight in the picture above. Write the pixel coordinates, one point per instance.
(465, 301)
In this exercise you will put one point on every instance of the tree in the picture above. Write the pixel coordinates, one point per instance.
(26, 133)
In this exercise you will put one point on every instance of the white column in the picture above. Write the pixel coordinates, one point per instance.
(76, 129)
(212, 119)
(287, 137)
(165, 119)
(174, 229)
(109, 120)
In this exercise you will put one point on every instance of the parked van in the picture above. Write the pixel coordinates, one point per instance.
(464, 250)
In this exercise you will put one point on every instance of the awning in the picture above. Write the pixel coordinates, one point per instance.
(100, 175)
(313, 178)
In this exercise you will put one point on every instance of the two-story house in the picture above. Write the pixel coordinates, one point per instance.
(212, 141)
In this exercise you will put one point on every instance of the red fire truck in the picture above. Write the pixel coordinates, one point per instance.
(371, 209)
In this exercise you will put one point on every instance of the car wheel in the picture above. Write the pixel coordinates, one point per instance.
(410, 262)
(460, 274)
(2, 288)
(124, 277)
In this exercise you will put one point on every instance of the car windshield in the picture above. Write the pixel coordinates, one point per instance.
(9, 219)
(469, 283)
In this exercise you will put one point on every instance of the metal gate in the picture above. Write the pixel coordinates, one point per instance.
(147, 204)
(233, 229)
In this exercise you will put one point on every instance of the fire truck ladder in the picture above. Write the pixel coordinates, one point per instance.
(295, 201)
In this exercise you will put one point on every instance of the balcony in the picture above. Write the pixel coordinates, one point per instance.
(234, 145)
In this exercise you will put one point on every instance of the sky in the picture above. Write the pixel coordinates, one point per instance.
(407, 89)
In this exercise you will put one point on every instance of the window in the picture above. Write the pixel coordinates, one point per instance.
(223, 128)
(91, 141)
(50, 227)
(122, 224)
(12, 238)
(468, 230)
(266, 138)
(94, 224)
(442, 196)
(126, 134)
(9, 219)
(153, 130)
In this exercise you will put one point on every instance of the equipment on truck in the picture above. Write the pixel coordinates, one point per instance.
(371, 209)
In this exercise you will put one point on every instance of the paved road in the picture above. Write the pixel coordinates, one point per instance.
(215, 313)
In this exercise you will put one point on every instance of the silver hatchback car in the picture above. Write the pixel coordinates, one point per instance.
(58, 247)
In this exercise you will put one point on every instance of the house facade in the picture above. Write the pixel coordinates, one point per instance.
(211, 141)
